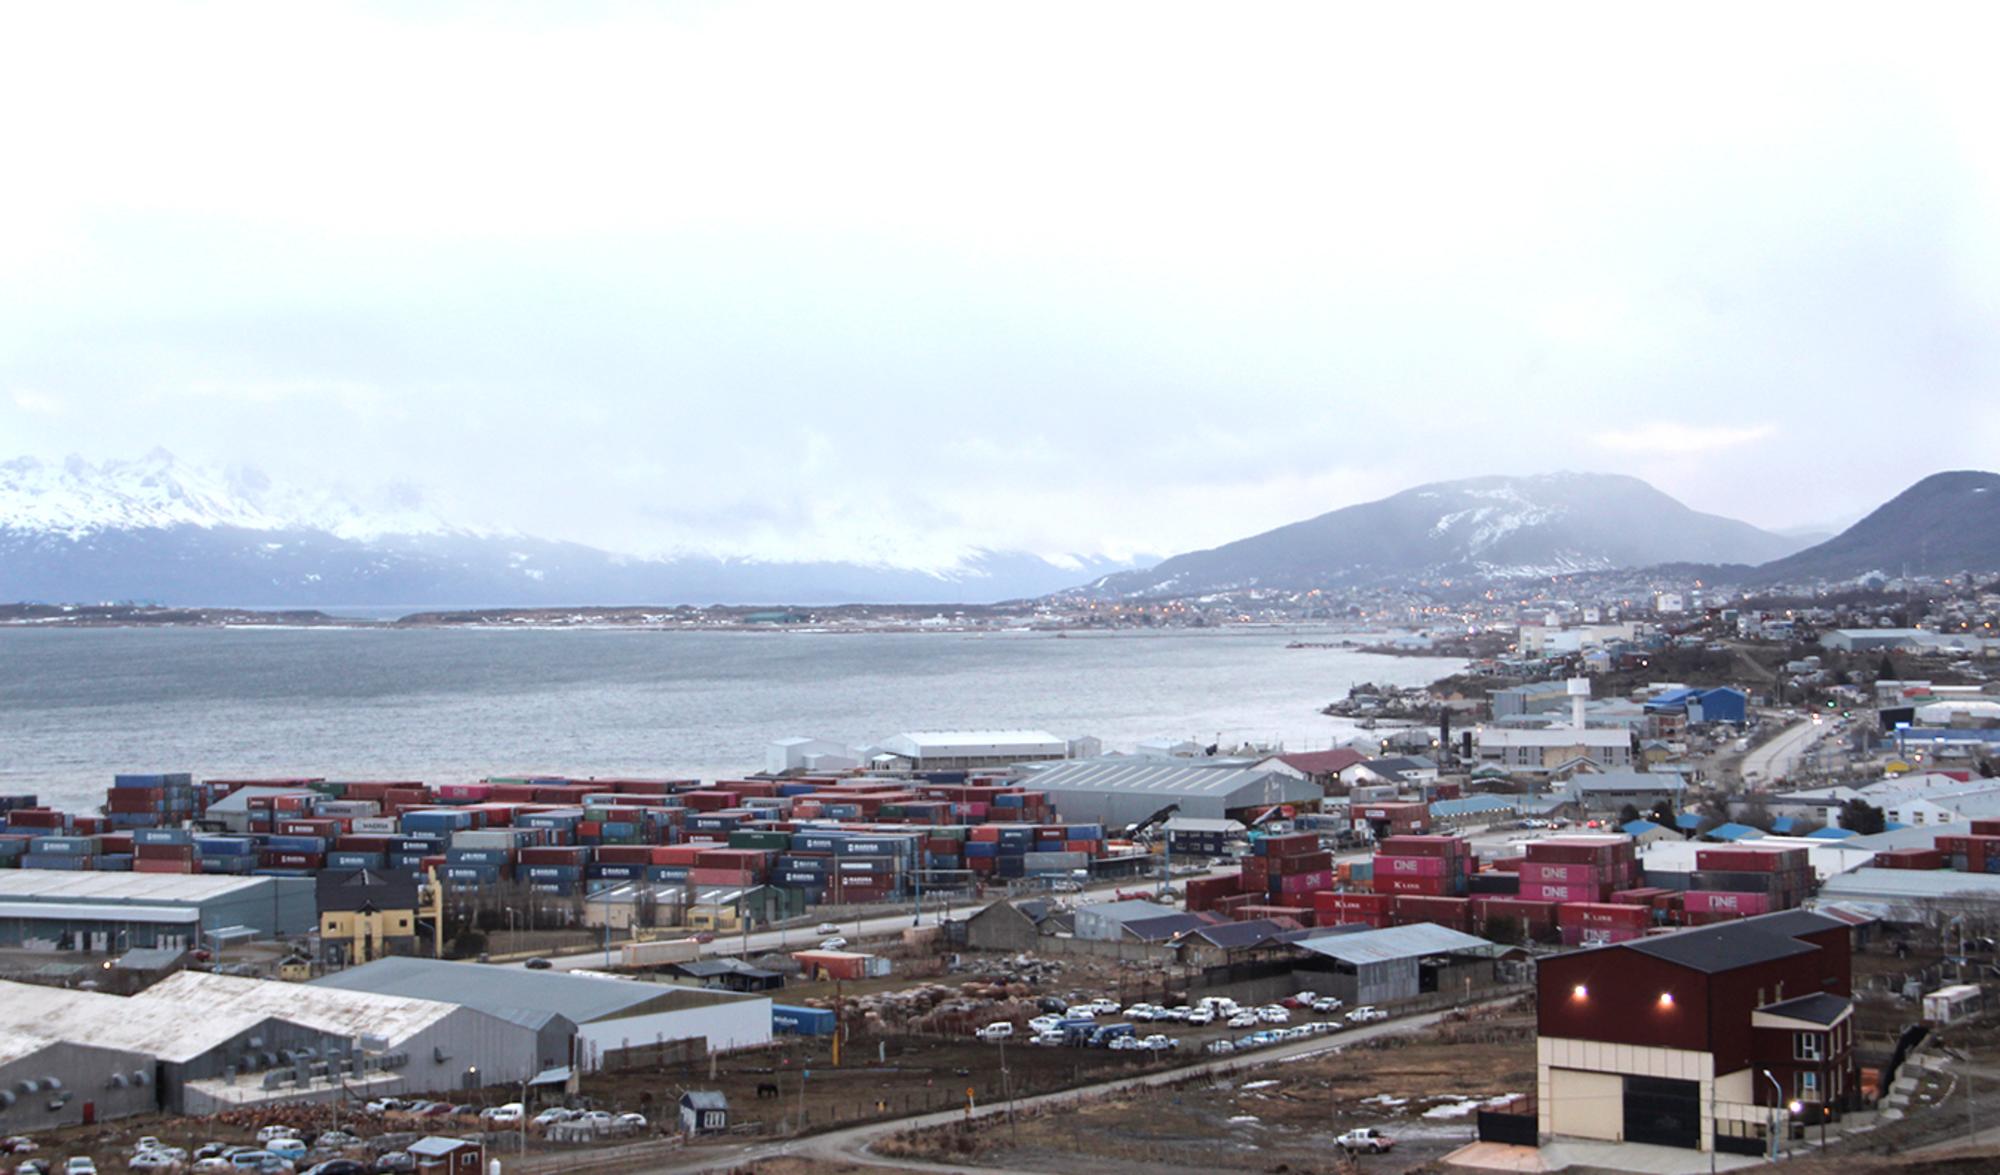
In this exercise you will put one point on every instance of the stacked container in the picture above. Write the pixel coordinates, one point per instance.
(1424, 866)
(1731, 883)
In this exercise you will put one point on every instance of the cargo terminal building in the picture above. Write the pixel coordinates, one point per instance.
(1120, 792)
(43, 909)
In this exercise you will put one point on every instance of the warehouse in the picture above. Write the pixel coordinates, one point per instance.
(610, 1013)
(1912, 896)
(446, 1046)
(946, 750)
(112, 912)
(1120, 792)
(1400, 963)
(46, 1083)
(185, 1046)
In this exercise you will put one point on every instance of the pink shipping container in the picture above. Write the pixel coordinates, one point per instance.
(1710, 902)
(1411, 866)
(1303, 883)
(1541, 871)
(464, 793)
(1545, 892)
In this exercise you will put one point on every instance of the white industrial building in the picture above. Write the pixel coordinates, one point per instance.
(950, 750)
(1549, 750)
(1119, 792)
(808, 755)
(610, 1013)
(439, 1045)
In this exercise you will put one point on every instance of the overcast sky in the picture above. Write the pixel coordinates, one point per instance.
(846, 279)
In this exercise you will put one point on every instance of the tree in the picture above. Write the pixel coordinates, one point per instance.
(1663, 813)
(1755, 814)
(1628, 814)
(1861, 817)
(1503, 929)
(1885, 670)
(467, 944)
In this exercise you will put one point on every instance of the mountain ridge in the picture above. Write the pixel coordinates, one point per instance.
(1942, 524)
(1494, 527)
(155, 529)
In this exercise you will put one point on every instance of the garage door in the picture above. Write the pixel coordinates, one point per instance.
(1663, 1112)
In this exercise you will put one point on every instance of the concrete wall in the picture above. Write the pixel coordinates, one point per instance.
(106, 1080)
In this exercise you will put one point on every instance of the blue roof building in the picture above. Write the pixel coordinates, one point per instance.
(1702, 706)
(1732, 833)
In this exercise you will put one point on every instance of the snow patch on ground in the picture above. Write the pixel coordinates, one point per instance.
(1260, 1085)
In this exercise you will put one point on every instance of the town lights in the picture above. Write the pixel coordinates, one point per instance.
(1579, 992)
(1796, 1106)
(1666, 999)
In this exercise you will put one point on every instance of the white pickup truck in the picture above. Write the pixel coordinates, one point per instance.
(1365, 1139)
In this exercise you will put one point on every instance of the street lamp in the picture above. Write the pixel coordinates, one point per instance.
(1777, 1104)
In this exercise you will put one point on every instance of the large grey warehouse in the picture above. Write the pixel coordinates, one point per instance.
(1124, 791)
(610, 1013)
(112, 912)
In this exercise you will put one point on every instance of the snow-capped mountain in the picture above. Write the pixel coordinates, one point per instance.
(75, 498)
(161, 531)
(1493, 527)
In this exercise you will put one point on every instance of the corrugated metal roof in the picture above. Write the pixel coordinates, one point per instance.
(151, 888)
(509, 992)
(1908, 884)
(16, 1046)
(161, 1030)
(1168, 779)
(330, 1010)
(105, 912)
(922, 743)
(1397, 942)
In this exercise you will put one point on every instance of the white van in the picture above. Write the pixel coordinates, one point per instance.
(1000, 1031)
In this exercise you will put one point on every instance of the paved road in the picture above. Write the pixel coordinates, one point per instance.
(851, 1145)
(1776, 758)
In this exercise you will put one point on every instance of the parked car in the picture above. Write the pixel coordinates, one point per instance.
(992, 1032)
(836, 943)
(632, 1120)
(395, 1162)
(1326, 1003)
(17, 1144)
(334, 1140)
(1049, 1003)
(33, 1167)
(147, 1143)
(827, 928)
(276, 1130)
(260, 1162)
(210, 1150)
(212, 1164)
(1273, 1014)
(1200, 1016)
(289, 1149)
(1044, 1023)
(553, 1115)
(538, 964)
(1048, 1039)
(1367, 1139)
(1221, 1046)
(504, 1115)
(338, 1167)
(79, 1165)
(1366, 1014)
(1243, 1020)
(596, 1118)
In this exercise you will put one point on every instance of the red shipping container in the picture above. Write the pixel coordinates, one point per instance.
(1603, 914)
(1455, 913)
(1373, 902)
(1594, 936)
(1256, 874)
(1546, 892)
(163, 853)
(1509, 864)
(1410, 866)
(1434, 886)
(1302, 863)
(625, 855)
(1581, 850)
(1751, 860)
(1986, 828)
(1424, 846)
(1289, 845)
(154, 865)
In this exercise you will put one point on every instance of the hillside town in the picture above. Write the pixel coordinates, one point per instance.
(1709, 876)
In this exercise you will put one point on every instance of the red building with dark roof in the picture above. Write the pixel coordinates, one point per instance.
(1685, 1038)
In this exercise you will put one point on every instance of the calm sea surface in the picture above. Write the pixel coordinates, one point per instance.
(445, 705)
